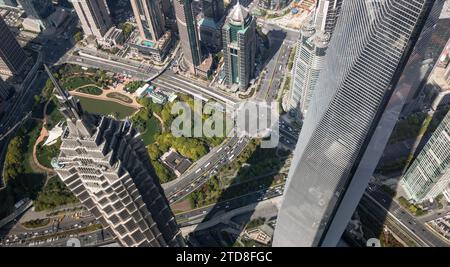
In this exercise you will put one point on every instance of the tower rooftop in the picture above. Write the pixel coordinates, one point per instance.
(238, 15)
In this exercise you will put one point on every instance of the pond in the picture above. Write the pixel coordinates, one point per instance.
(106, 107)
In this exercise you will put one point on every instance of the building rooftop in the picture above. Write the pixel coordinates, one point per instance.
(208, 23)
(206, 64)
(160, 44)
(238, 15)
(177, 163)
(54, 134)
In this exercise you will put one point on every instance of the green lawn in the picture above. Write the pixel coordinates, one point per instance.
(75, 82)
(120, 97)
(54, 194)
(46, 153)
(153, 129)
(92, 90)
(106, 107)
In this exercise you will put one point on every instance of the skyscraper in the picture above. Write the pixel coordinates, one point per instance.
(429, 174)
(189, 38)
(149, 18)
(372, 63)
(12, 3)
(210, 25)
(104, 162)
(310, 56)
(12, 57)
(213, 9)
(4, 92)
(94, 16)
(312, 45)
(37, 9)
(239, 47)
(327, 14)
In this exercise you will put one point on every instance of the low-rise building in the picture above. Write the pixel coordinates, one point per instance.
(204, 70)
(113, 37)
(154, 50)
(262, 234)
(172, 97)
(54, 134)
(142, 91)
(158, 98)
(175, 162)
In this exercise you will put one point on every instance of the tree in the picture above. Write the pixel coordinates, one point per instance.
(154, 151)
(127, 28)
(54, 194)
(156, 108)
(14, 159)
(78, 36)
(162, 173)
(166, 117)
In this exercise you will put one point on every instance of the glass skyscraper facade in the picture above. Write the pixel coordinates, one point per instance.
(239, 47)
(149, 18)
(188, 30)
(371, 66)
(429, 174)
(37, 9)
(12, 3)
(94, 17)
(12, 57)
(213, 9)
(310, 55)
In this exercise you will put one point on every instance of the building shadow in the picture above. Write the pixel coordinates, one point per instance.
(270, 44)
(240, 197)
(384, 203)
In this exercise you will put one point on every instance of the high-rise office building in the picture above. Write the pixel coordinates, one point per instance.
(13, 59)
(11, 3)
(149, 18)
(310, 56)
(312, 45)
(189, 38)
(94, 16)
(4, 90)
(239, 47)
(327, 14)
(104, 162)
(372, 63)
(213, 9)
(429, 174)
(210, 25)
(37, 9)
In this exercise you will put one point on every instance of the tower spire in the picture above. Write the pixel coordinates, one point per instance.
(79, 122)
(70, 107)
